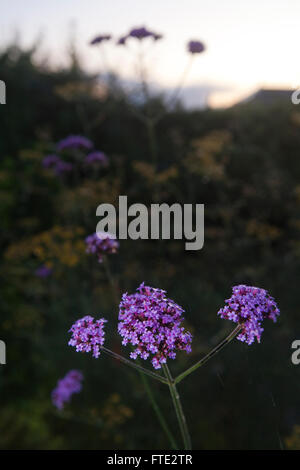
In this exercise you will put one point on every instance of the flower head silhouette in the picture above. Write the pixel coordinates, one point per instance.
(99, 39)
(196, 47)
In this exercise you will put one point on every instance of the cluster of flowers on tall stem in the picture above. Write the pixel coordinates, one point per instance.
(101, 244)
(141, 33)
(151, 322)
(72, 153)
(88, 335)
(43, 271)
(66, 387)
(249, 306)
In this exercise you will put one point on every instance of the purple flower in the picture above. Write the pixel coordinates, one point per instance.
(43, 271)
(196, 47)
(140, 33)
(122, 40)
(58, 165)
(100, 38)
(50, 160)
(96, 157)
(157, 37)
(100, 244)
(249, 306)
(74, 141)
(65, 388)
(88, 335)
(62, 167)
(151, 322)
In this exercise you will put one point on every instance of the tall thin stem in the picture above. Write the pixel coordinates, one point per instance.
(150, 124)
(159, 415)
(176, 93)
(208, 356)
(143, 73)
(178, 409)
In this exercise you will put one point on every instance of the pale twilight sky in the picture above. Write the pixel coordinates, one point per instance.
(250, 43)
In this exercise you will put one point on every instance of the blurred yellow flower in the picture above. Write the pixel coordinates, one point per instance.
(293, 441)
(57, 245)
(148, 172)
(262, 231)
(205, 158)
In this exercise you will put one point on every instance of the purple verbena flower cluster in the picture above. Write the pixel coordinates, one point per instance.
(142, 33)
(57, 164)
(74, 141)
(49, 161)
(151, 322)
(66, 387)
(62, 167)
(100, 38)
(122, 40)
(43, 271)
(249, 306)
(100, 244)
(196, 47)
(96, 157)
(88, 335)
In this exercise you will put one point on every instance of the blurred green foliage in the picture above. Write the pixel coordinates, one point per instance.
(242, 163)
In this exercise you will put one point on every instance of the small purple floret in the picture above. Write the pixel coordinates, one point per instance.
(196, 47)
(96, 157)
(62, 167)
(249, 306)
(66, 387)
(100, 38)
(142, 33)
(88, 335)
(74, 141)
(50, 160)
(100, 244)
(122, 40)
(151, 322)
(43, 271)
(157, 36)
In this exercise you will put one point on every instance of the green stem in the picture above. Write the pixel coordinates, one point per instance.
(143, 73)
(150, 124)
(134, 365)
(151, 131)
(206, 358)
(179, 87)
(157, 411)
(178, 409)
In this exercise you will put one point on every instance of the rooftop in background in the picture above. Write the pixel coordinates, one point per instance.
(199, 97)
(268, 97)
